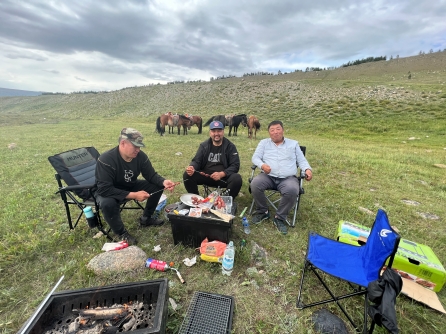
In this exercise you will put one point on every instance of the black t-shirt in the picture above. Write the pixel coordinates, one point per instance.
(214, 163)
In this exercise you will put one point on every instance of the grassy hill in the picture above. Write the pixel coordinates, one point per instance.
(375, 139)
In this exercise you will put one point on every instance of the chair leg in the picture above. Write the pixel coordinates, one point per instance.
(300, 305)
(250, 209)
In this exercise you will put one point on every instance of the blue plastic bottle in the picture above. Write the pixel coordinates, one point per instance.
(228, 259)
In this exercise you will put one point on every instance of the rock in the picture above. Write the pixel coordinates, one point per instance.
(12, 146)
(410, 202)
(366, 210)
(127, 259)
(427, 215)
(440, 165)
(327, 323)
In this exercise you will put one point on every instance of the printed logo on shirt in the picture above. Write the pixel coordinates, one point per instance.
(128, 175)
(214, 157)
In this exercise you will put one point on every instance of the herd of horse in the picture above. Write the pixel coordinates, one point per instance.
(187, 121)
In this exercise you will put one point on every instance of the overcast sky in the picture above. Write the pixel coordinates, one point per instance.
(66, 46)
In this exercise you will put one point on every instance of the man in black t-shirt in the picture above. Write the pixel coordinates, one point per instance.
(117, 172)
(216, 163)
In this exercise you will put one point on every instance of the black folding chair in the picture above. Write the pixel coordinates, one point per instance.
(273, 196)
(358, 266)
(77, 169)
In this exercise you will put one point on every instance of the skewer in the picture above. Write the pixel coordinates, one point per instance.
(207, 175)
(175, 184)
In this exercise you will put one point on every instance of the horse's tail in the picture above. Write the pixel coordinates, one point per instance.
(257, 124)
(158, 126)
(209, 121)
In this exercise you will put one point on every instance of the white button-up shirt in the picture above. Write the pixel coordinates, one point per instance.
(283, 158)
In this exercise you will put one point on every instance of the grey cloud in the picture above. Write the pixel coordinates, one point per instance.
(80, 79)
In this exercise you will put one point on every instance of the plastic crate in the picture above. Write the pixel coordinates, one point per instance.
(191, 231)
(208, 313)
(60, 304)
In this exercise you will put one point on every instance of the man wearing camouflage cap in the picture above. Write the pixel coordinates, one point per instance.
(117, 174)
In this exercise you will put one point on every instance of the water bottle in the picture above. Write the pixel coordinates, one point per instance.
(245, 223)
(92, 219)
(228, 259)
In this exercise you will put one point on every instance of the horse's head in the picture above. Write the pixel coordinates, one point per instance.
(244, 121)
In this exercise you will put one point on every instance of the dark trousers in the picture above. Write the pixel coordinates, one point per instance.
(110, 207)
(233, 182)
(288, 188)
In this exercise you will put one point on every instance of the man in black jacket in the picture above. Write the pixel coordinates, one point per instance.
(216, 163)
(117, 172)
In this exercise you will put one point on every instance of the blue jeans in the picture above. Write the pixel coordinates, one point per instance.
(288, 188)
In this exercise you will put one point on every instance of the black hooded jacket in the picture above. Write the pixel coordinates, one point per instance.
(383, 293)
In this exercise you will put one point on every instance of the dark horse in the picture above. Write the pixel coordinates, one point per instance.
(227, 120)
(253, 125)
(235, 122)
(196, 120)
(171, 121)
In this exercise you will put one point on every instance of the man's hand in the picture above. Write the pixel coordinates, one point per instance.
(169, 185)
(138, 195)
(266, 168)
(216, 176)
(190, 170)
(308, 175)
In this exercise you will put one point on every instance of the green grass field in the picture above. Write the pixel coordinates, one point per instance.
(366, 153)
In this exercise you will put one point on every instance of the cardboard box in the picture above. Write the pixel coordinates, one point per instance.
(415, 262)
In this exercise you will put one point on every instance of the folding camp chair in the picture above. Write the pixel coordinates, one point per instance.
(358, 266)
(77, 169)
(273, 196)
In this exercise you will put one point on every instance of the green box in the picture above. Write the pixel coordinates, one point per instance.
(413, 261)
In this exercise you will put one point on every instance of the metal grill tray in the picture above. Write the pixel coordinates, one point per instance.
(208, 313)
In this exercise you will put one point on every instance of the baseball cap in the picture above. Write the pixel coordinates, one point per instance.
(132, 135)
(216, 125)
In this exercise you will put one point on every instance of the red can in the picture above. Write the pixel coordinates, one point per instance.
(157, 264)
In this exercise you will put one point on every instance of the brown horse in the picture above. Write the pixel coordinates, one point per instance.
(172, 120)
(253, 124)
(198, 121)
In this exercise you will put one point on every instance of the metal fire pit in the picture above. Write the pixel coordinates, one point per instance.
(57, 312)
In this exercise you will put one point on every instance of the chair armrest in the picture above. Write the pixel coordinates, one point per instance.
(76, 187)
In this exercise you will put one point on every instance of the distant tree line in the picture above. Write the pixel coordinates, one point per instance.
(364, 60)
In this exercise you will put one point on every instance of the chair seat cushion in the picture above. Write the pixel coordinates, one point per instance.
(338, 259)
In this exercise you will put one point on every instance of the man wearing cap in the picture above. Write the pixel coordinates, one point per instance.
(216, 163)
(117, 172)
(278, 158)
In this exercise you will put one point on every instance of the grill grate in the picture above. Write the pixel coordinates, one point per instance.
(208, 313)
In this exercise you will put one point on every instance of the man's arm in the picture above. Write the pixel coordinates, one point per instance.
(233, 160)
(149, 173)
(257, 158)
(303, 163)
(105, 176)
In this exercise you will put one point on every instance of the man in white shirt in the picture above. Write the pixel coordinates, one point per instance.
(278, 158)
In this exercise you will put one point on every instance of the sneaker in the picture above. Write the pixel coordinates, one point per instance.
(126, 236)
(280, 225)
(152, 221)
(258, 218)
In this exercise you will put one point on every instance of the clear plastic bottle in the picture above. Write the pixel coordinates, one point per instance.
(245, 223)
(228, 259)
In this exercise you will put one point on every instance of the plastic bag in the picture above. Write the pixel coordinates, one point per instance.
(212, 248)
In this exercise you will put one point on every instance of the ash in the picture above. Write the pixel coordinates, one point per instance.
(134, 316)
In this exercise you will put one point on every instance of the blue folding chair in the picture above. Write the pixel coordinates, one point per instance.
(356, 265)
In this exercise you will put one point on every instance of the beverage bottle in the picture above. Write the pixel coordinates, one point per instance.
(228, 259)
(245, 223)
(158, 265)
(92, 219)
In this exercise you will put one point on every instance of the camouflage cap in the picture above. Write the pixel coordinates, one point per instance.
(132, 135)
